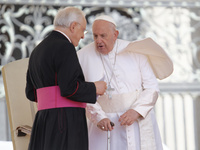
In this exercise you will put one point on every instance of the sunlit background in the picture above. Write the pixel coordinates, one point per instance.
(175, 25)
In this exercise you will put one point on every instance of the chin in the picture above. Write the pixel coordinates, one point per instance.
(101, 50)
(75, 44)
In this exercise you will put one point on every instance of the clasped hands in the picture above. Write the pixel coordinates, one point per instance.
(128, 118)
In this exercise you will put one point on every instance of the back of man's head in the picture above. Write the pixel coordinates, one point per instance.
(67, 15)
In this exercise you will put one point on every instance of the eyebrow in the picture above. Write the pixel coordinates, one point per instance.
(103, 34)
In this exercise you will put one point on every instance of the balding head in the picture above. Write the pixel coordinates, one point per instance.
(68, 15)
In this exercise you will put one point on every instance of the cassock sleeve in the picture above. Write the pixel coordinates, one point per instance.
(95, 113)
(30, 90)
(70, 76)
(148, 97)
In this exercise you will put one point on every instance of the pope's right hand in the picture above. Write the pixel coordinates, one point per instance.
(105, 124)
(101, 87)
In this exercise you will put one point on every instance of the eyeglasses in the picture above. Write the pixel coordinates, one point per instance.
(85, 31)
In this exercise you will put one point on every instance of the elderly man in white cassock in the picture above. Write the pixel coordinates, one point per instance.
(132, 88)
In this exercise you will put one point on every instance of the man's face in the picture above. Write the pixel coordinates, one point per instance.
(80, 28)
(104, 35)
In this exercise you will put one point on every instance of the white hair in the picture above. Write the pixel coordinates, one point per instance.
(68, 15)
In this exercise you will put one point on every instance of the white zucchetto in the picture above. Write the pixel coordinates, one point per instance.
(106, 18)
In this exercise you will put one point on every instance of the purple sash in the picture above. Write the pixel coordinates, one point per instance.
(49, 97)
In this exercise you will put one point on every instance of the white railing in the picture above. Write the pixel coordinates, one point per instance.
(176, 112)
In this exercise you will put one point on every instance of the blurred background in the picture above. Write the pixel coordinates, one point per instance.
(175, 25)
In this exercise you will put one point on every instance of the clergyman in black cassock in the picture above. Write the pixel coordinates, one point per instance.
(53, 63)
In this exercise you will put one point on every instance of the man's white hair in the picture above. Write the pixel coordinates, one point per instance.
(68, 15)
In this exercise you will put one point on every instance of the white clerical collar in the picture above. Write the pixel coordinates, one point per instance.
(64, 35)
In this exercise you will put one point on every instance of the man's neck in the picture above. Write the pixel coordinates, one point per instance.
(63, 31)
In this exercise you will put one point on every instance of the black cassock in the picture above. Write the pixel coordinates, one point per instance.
(54, 62)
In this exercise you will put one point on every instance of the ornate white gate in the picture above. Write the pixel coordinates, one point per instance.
(175, 25)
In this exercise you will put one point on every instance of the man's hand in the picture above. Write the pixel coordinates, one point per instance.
(105, 124)
(100, 87)
(129, 117)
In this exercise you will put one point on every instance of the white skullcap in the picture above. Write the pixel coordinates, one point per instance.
(106, 18)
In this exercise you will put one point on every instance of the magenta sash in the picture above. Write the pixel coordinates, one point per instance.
(49, 97)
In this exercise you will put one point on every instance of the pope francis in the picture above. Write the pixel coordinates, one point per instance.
(130, 70)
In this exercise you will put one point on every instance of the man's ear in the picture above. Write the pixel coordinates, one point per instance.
(72, 26)
(116, 33)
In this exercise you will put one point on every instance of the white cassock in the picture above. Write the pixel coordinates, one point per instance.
(135, 86)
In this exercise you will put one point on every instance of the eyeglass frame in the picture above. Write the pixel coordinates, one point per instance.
(85, 31)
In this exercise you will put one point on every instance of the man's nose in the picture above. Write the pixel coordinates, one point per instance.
(98, 39)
